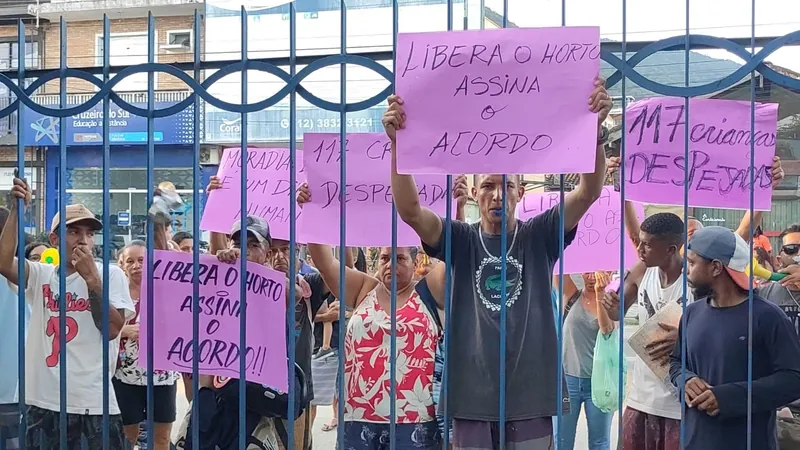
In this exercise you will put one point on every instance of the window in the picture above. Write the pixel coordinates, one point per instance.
(9, 55)
(178, 40)
(127, 49)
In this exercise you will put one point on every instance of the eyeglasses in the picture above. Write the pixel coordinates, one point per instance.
(791, 249)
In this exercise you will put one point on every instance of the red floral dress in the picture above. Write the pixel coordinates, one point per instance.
(367, 363)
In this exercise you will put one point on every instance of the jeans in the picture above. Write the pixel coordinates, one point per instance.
(598, 422)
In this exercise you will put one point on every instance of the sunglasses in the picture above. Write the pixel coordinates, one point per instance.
(791, 249)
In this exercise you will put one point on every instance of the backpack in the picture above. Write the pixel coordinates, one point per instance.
(269, 403)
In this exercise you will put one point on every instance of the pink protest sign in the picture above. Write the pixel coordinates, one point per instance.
(719, 152)
(368, 194)
(219, 348)
(267, 190)
(498, 101)
(596, 244)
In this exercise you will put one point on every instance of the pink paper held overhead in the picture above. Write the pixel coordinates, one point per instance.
(268, 190)
(498, 101)
(368, 194)
(719, 166)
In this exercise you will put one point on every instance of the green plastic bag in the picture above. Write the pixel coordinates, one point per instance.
(605, 372)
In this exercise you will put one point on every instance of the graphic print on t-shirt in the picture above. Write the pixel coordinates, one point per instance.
(488, 281)
(74, 304)
(647, 304)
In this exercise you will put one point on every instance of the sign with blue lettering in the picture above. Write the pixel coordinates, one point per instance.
(124, 219)
(272, 125)
(124, 128)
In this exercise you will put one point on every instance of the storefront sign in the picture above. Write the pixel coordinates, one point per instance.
(124, 128)
(272, 125)
(124, 219)
(7, 177)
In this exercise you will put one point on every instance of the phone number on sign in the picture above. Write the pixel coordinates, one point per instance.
(310, 124)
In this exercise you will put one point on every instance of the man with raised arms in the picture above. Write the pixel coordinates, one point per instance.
(533, 248)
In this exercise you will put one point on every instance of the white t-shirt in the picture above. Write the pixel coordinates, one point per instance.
(84, 341)
(648, 393)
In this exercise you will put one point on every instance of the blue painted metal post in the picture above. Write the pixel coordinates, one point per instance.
(752, 231)
(392, 299)
(448, 237)
(22, 306)
(504, 290)
(622, 237)
(685, 281)
(561, 245)
(244, 154)
(197, 187)
(62, 235)
(106, 226)
(342, 213)
(290, 319)
(151, 42)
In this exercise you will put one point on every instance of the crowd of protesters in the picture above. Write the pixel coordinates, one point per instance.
(709, 374)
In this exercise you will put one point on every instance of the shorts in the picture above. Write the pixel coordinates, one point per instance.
(375, 436)
(324, 372)
(531, 434)
(132, 400)
(642, 431)
(44, 433)
(9, 426)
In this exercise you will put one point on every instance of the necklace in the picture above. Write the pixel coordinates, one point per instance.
(513, 240)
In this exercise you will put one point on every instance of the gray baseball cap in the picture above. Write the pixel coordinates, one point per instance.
(723, 245)
(256, 226)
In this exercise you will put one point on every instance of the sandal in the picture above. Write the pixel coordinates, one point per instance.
(329, 426)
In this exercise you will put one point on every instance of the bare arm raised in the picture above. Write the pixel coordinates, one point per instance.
(426, 223)
(8, 238)
(590, 187)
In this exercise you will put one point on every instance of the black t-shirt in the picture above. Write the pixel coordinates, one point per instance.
(318, 330)
(304, 324)
(475, 322)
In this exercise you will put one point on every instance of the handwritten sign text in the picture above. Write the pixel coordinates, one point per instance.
(596, 243)
(268, 190)
(718, 166)
(483, 101)
(220, 307)
(368, 194)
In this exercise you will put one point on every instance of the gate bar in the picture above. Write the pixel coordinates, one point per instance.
(106, 231)
(244, 157)
(197, 186)
(21, 266)
(62, 234)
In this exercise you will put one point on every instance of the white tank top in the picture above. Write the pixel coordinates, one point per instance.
(648, 393)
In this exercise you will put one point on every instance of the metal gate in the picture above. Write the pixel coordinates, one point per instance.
(101, 77)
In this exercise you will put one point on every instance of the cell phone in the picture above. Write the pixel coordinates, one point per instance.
(610, 153)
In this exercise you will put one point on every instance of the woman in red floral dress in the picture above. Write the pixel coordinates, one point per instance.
(367, 374)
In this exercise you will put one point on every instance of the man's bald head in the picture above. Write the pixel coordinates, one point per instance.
(692, 225)
(514, 178)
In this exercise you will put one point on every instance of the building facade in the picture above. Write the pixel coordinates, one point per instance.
(128, 45)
